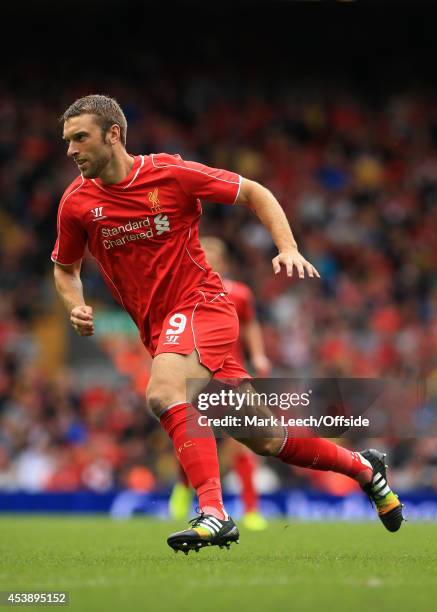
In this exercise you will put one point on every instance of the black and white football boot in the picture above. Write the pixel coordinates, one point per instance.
(205, 530)
(386, 503)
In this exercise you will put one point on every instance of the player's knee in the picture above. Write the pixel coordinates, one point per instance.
(154, 404)
(267, 447)
(156, 401)
(160, 396)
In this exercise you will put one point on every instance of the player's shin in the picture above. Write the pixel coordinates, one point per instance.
(196, 450)
(321, 454)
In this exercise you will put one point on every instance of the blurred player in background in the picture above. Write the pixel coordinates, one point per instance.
(250, 341)
(139, 217)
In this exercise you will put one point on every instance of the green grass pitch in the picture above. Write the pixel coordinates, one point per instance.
(110, 565)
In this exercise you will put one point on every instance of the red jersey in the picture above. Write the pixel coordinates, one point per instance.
(242, 297)
(143, 233)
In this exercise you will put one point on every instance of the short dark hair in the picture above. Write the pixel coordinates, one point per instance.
(106, 109)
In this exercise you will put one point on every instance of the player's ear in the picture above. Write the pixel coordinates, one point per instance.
(113, 134)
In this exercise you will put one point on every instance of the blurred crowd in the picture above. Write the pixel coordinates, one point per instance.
(357, 178)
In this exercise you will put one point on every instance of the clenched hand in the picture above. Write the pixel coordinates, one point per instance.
(81, 318)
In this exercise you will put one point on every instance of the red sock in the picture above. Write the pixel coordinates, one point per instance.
(183, 478)
(196, 451)
(321, 454)
(244, 465)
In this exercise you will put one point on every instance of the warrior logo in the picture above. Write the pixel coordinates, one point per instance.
(98, 213)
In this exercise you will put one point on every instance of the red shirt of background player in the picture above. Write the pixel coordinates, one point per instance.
(242, 297)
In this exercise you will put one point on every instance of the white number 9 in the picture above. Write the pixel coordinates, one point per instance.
(177, 323)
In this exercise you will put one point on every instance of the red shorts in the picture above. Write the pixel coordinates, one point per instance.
(208, 324)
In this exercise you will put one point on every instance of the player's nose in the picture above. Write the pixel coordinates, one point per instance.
(72, 149)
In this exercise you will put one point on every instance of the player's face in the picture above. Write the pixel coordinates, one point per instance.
(86, 145)
(215, 259)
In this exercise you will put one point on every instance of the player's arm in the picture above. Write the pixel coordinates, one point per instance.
(272, 216)
(253, 341)
(69, 286)
(218, 185)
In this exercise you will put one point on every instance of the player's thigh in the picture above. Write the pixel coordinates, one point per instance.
(169, 376)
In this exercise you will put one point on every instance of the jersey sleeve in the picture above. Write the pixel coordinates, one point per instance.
(200, 181)
(71, 240)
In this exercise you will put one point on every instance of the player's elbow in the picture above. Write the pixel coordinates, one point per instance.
(62, 270)
(65, 277)
(249, 191)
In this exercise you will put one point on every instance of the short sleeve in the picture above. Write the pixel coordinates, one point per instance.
(200, 181)
(71, 240)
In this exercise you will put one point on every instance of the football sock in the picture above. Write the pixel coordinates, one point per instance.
(196, 450)
(321, 454)
(244, 465)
